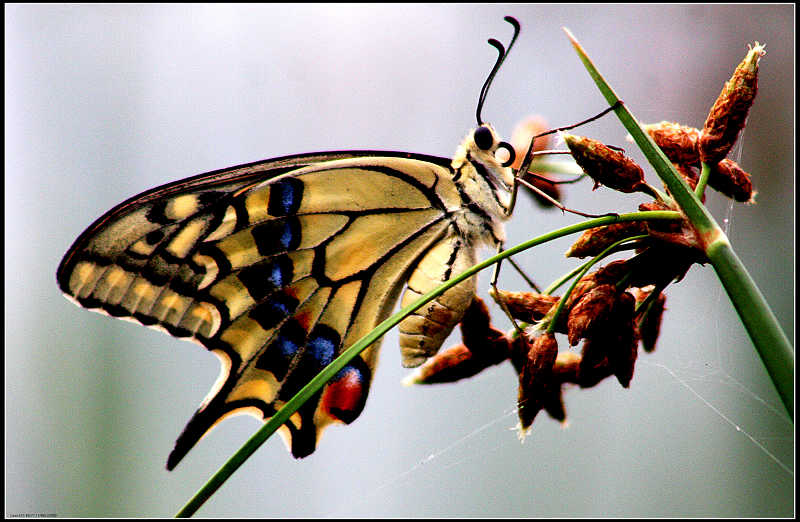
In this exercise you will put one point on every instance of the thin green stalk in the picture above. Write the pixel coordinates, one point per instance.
(552, 320)
(768, 338)
(282, 415)
(705, 172)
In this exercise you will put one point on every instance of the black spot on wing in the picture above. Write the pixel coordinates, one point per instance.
(274, 310)
(320, 350)
(277, 236)
(285, 196)
(281, 351)
(264, 278)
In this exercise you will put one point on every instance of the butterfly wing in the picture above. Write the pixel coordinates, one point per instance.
(275, 267)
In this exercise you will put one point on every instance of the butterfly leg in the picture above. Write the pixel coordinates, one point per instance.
(493, 291)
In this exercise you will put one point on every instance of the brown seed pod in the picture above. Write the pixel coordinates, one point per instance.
(483, 346)
(590, 312)
(730, 179)
(595, 240)
(520, 141)
(623, 339)
(486, 342)
(451, 364)
(593, 366)
(606, 166)
(527, 306)
(678, 233)
(728, 114)
(535, 379)
(650, 318)
(678, 142)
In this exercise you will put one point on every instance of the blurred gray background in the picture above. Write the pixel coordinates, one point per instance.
(106, 101)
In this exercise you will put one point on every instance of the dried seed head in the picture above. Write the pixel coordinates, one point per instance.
(520, 141)
(535, 379)
(593, 366)
(529, 307)
(729, 178)
(488, 344)
(483, 346)
(554, 403)
(624, 339)
(678, 142)
(566, 367)
(452, 364)
(595, 240)
(678, 233)
(590, 312)
(612, 273)
(605, 165)
(522, 134)
(661, 264)
(650, 318)
(727, 117)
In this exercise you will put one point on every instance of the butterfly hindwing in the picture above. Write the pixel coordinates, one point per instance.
(275, 267)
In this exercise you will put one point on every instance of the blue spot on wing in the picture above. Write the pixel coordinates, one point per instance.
(264, 278)
(277, 236)
(273, 311)
(281, 351)
(285, 196)
(322, 345)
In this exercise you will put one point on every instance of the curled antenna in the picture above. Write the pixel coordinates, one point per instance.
(503, 52)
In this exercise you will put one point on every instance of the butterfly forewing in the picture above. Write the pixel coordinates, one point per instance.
(275, 267)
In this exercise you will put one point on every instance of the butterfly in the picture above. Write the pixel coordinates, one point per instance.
(278, 266)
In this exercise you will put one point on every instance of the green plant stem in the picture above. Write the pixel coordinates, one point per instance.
(313, 386)
(705, 172)
(768, 338)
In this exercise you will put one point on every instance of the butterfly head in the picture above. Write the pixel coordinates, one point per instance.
(479, 169)
(476, 159)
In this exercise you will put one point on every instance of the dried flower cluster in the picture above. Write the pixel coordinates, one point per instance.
(686, 147)
(617, 307)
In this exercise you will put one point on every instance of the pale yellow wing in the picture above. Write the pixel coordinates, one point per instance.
(275, 267)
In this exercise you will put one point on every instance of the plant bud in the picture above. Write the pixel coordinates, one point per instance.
(590, 312)
(480, 337)
(529, 307)
(452, 364)
(535, 379)
(678, 142)
(593, 366)
(678, 233)
(595, 240)
(623, 339)
(566, 367)
(522, 134)
(727, 117)
(612, 272)
(606, 166)
(729, 178)
(650, 325)
(483, 346)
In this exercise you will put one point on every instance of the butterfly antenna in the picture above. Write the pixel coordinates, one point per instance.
(502, 53)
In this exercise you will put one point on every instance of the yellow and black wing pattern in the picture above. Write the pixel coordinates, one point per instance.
(278, 266)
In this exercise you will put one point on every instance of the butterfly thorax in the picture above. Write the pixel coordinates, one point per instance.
(485, 186)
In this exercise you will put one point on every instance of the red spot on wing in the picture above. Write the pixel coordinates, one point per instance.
(344, 398)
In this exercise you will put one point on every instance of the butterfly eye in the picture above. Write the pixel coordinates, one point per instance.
(483, 138)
